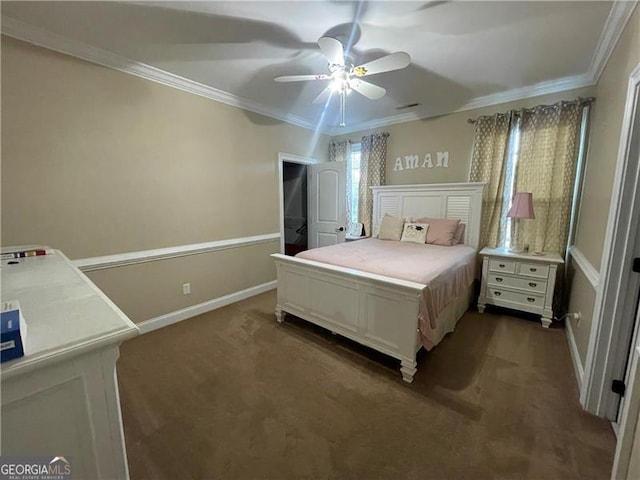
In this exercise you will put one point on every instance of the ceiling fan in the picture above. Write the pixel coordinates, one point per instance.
(345, 77)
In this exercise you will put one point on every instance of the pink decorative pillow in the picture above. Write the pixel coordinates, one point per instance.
(459, 236)
(442, 231)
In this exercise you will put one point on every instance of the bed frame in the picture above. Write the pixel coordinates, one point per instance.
(377, 311)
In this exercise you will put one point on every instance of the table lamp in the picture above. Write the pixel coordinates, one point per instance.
(521, 208)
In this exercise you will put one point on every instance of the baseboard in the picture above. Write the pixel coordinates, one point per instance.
(575, 356)
(200, 308)
(616, 428)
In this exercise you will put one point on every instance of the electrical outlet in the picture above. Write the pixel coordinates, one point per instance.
(577, 317)
(186, 288)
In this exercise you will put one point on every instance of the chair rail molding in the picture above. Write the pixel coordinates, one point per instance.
(131, 258)
(585, 266)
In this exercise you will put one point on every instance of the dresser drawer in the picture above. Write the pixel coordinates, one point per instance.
(502, 265)
(528, 284)
(524, 299)
(537, 270)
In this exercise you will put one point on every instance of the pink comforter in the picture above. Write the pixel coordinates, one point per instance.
(444, 271)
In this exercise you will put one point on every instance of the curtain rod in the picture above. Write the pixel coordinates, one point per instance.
(578, 100)
(382, 134)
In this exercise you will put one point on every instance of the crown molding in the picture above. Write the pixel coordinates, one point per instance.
(543, 88)
(621, 11)
(52, 41)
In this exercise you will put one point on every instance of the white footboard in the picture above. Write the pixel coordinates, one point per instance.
(376, 311)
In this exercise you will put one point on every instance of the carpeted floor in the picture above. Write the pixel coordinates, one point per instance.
(234, 395)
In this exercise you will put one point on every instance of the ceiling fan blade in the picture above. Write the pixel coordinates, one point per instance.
(395, 61)
(332, 49)
(369, 90)
(323, 97)
(433, 3)
(302, 78)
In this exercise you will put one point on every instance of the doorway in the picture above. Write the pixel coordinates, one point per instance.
(295, 209)
(614, 353)
(612, 334)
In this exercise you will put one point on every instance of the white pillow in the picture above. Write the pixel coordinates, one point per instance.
(415, 232)
(391, 228)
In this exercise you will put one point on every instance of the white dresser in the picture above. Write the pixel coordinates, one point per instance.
(520, 281)
(61, 399)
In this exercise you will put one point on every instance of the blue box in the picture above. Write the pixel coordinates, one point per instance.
(13, 331)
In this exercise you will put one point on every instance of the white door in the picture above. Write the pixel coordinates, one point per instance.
(327, 203)
(629, 332)
(626, 462)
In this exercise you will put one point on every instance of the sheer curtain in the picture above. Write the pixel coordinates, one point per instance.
(549, 144)
(340, 151)
(373, 160)
(489, 164)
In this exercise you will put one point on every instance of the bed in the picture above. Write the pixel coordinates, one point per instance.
(385, 308)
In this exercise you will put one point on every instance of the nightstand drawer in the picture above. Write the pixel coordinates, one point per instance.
(533, 286)
(502, 265)
(533, 270)
(508, 296)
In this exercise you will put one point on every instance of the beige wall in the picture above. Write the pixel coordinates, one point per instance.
(98, 162)
(581, 301)
(449, 133)
(633, 473)
(147, 290)
(606, 124)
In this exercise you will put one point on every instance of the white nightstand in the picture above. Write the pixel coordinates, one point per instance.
(521, 281)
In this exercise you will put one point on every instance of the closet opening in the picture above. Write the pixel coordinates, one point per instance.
(294, 188)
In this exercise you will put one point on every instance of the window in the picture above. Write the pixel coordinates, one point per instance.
(513, 154)
(514, 151)
(353, 183)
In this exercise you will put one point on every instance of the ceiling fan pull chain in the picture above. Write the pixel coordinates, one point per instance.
(343, 107)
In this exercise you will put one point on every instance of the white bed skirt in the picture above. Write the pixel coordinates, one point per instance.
(448, 318)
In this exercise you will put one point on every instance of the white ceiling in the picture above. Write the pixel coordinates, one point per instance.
(464, 54)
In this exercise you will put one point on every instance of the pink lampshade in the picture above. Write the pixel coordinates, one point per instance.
(522, 206)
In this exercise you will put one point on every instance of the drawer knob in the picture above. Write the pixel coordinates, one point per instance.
(531, 299)
(498, 279)
(533, 269)
(533, 285)
(502, 265)
(497, 294)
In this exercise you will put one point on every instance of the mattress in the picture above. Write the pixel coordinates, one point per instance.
(445, 272)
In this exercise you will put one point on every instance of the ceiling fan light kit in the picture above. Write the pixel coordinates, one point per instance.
(344, 77)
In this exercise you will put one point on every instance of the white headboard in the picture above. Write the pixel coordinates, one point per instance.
(438, 200)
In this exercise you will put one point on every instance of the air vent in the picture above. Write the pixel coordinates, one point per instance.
(408, 105)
